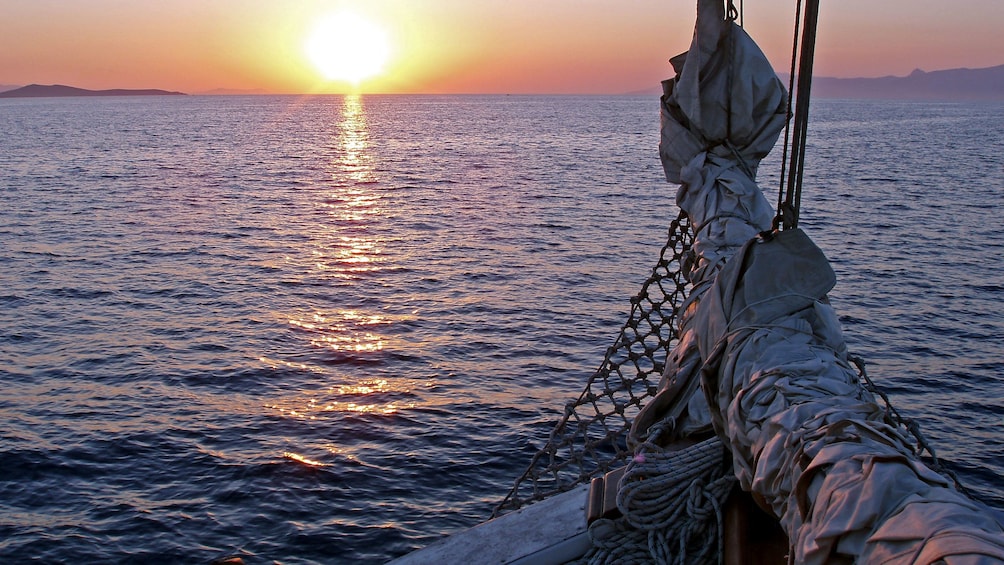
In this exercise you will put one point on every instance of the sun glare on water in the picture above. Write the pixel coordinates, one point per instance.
(345, 46)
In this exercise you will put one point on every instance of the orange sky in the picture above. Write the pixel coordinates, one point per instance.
(464, 46)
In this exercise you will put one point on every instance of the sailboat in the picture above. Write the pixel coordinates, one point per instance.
(730, 422)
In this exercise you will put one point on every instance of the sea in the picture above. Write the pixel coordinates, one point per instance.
(332, 329)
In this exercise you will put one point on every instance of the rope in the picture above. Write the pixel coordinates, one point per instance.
(659, 486)
(731, 13)
(671, 505)
(788, 211)
(787, 124)
(894, 418)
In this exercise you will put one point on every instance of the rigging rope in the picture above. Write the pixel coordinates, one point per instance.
(731, 13)
(734, 14)
(790, 192)
(787, 125)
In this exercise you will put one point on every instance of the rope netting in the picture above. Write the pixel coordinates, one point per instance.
(589, 440)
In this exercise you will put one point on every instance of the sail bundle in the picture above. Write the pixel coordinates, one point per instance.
(807, 440)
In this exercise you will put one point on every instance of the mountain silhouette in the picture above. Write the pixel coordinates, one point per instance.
(952, 84)
(39, 91)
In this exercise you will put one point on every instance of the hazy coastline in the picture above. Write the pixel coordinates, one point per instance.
(952, 84)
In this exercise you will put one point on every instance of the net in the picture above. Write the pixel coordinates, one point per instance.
(590, 438)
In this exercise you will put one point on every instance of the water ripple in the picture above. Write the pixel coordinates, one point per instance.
(333, 329)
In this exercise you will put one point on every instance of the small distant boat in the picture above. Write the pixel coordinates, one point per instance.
(764, 440)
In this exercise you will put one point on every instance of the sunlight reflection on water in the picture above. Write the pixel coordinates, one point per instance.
(367, 396)
(345, 247)
(301, 459)
(345, 331)
(356, 161)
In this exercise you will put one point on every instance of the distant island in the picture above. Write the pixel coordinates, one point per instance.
(952, 84)
(985, 84)
(57, 90)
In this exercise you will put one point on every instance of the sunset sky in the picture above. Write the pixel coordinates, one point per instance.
(462, 46)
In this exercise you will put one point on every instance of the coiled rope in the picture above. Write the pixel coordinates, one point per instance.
(671, 504)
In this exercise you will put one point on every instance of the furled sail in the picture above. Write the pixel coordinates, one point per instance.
(721, 115)
(807, 440)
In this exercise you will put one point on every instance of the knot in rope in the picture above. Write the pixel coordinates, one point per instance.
(698, 507)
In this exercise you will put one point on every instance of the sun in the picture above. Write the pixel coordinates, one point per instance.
(347, 47)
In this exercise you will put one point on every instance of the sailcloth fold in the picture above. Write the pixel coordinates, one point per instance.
(807, 440)
(721, 114)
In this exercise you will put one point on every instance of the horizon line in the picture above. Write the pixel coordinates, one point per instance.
(644, 91)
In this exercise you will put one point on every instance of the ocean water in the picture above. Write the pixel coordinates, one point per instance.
(333, 329)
